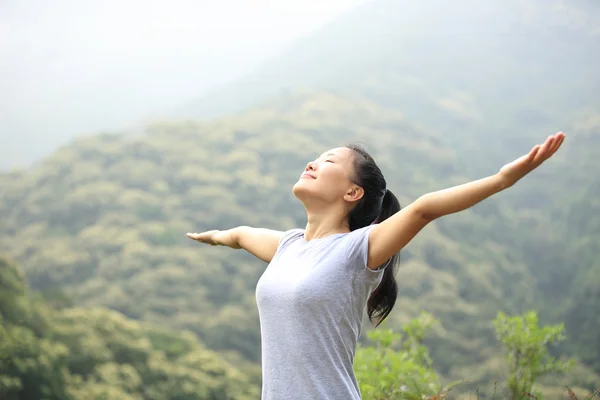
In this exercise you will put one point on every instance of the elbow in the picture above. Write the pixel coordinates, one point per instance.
(428, 217)
(237, 236)
(423, 212)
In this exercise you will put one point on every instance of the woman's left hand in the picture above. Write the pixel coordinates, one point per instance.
(515, 170)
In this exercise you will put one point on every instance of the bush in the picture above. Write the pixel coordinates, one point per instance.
(397, 365)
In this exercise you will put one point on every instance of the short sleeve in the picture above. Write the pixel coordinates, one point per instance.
(287, 238)
(358, 252)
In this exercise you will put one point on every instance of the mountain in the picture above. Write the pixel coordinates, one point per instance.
(52, 350)
(490, 78)
(104, 220)
(69, 69)
(449, 62)
(113, 210)
(440, 94)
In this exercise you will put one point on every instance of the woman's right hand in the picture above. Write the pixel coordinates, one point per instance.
(259, 242)
(208, 237)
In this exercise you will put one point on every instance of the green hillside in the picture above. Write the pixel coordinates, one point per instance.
(74, 353)
(104, 221)
(440, 95)
(113, 211)
(490, 79)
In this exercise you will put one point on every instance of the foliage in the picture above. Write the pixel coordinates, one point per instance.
(526, 345)
(103, 220)
(506, 89)
(94, 353)
(397, 364)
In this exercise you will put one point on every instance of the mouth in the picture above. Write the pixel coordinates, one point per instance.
(307, 176)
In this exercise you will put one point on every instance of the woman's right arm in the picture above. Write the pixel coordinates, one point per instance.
(260, 242)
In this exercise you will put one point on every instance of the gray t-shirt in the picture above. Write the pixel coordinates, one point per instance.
(311, 302)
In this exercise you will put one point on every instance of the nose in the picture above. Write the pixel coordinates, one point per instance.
(311, 166)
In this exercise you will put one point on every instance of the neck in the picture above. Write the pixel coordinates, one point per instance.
(325, 221)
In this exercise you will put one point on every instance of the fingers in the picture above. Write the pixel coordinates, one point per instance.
(195, 236)
(542, 150)
(549, 147)
(546, 148)
(533, 152)
(560, 137)
(204, 237)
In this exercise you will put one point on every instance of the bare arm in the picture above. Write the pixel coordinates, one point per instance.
(458, 198)
(391, 235)
(260, 242)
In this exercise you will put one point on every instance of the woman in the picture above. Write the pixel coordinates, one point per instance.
(312, 295)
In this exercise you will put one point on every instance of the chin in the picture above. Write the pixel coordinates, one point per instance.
(300, 190)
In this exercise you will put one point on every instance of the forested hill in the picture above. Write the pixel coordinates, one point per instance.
(490, 79)
(440, 94)
(51, 350)
(104, 220)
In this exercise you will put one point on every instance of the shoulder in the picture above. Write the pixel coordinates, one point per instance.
(358, 236)
(357, 244)
(290, 236)
(287, 239)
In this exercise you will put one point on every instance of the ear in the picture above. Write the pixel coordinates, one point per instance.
(354, 194)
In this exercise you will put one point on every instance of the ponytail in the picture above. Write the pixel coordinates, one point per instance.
(377, 204)
(383, 298)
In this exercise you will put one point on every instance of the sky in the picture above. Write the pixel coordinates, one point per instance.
(70, 67)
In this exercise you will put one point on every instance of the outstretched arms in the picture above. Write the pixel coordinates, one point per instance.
(390, 236)
(259, 242)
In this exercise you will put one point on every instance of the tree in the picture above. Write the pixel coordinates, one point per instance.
(526, 346)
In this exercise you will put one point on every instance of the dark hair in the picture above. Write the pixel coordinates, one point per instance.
(377, 204)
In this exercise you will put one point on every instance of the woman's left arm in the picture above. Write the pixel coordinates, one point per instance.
(390, 236)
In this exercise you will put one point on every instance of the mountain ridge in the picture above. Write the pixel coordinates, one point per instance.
(104, 217)
(116, 237)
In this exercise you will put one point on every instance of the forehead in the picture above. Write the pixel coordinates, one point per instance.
(340, 152)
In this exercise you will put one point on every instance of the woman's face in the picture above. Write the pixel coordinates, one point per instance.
(327, 178)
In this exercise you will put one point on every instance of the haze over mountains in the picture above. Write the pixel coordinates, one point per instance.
(513, 50)
(72, 68)
(441, 92)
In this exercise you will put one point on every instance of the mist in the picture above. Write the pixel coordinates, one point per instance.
(201, 116)
(72, 68)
